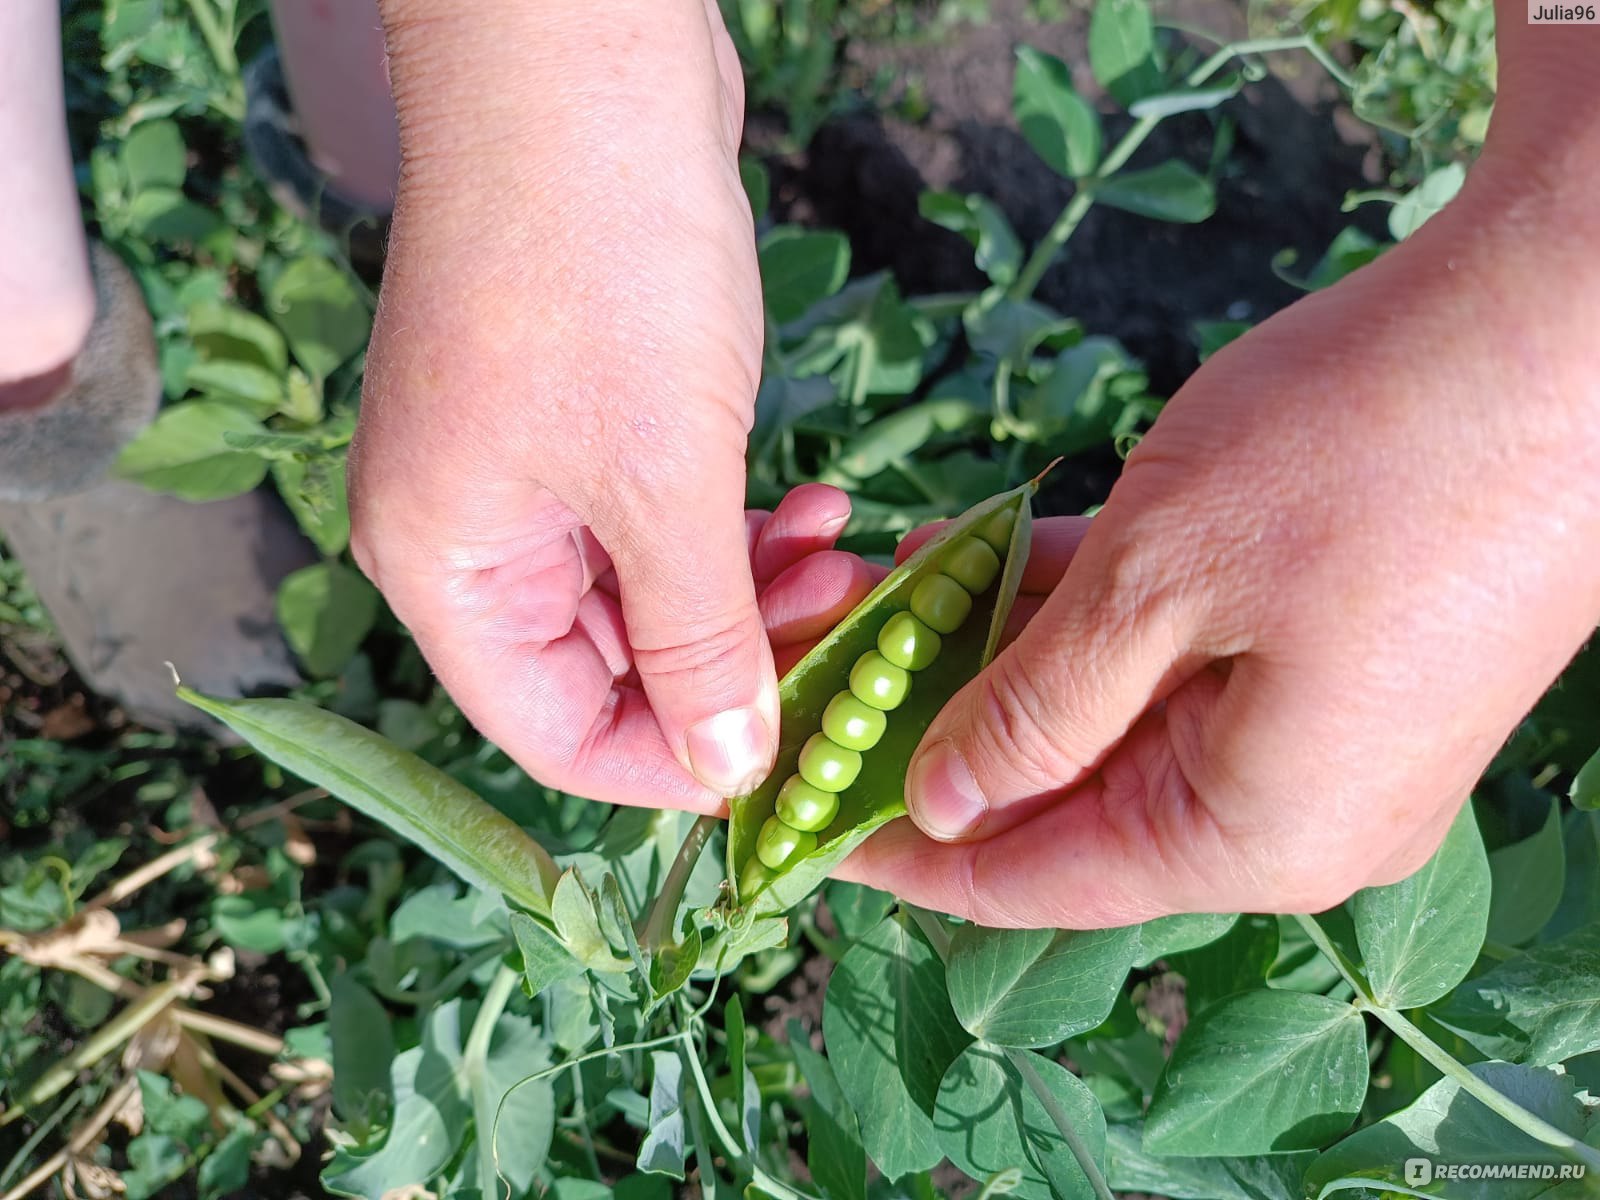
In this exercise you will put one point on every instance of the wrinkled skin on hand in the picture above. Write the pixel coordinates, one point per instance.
(548, 479)
(1340, 568)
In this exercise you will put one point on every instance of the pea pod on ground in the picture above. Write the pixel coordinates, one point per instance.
(856, 707)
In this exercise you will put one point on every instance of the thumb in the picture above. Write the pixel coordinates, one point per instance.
(1051, 706)
(689, 606)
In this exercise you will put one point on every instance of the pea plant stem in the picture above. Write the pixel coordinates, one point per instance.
(1442, 1060)
(1021, 1060)
(731, 1145)
(475, 1060)
(1083, 199)
(662, 921)
(1495, 1101)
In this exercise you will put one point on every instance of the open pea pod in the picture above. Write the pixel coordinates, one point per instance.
(876, 795)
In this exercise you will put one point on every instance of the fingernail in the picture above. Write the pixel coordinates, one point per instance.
(944, 795)
(834, 525)
(731, 752)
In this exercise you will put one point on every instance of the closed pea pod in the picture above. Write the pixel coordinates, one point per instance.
(855, 708)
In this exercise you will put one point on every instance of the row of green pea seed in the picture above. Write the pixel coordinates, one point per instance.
(856, 718)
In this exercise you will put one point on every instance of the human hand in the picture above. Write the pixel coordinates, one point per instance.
(1348, 557)
(559, 389)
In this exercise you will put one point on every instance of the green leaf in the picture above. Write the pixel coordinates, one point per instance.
(157, 1161)
(1585, 793)
(1529, 877)
(253, 388)
(833, 1137)
(780, 402)
(1420, 937)
(1129, 1168)
(899, 435)
(154, 156)
(1580, 900)
(1014, 329)
(1211, 336)
(1056, 121)
(250, 923)
(1260, 1071)
(392, 786)
(757, 185)
(185, 1119)
(326, 610)
(800, 267)
(226, 1170)
(890, 1034)
(363, 1053)
(165, 215)
(1089, 395)
(431, 1116)
(1237, 962)
(856, 908)
(320, 312)
(228, 333)
(1541, 1006)
(182, 452)
(989, 1120)
(1170, 191)
(1446, 1125)
(1166, 936)
(544, 959)
(673, 964)
(1122, 50)
(1034, 987)
(315, 493)
(1427, 198)
(662, 1150)
(576, 914)
(998, 252)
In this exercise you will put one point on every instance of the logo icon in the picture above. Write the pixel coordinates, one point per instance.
(1419, 1172)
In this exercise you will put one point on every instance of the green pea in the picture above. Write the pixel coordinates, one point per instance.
(971, 563)
(755, 876)
(907, 642)
(853, 724)
(941, 603)
(876, 681)
(996, 530)
(807, 808)
(827, 765)
(778, 843)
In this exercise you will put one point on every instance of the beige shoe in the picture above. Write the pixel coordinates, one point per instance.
(133, 579)
(89, 409)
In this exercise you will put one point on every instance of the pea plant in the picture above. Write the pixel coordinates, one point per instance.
(539, 994)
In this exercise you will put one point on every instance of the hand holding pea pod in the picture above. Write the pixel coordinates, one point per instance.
(1329, 583)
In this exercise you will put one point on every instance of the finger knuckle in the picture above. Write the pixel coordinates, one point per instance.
(1013, 710)
(710, 646)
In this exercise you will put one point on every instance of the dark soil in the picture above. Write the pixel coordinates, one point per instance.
(1296, 153)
